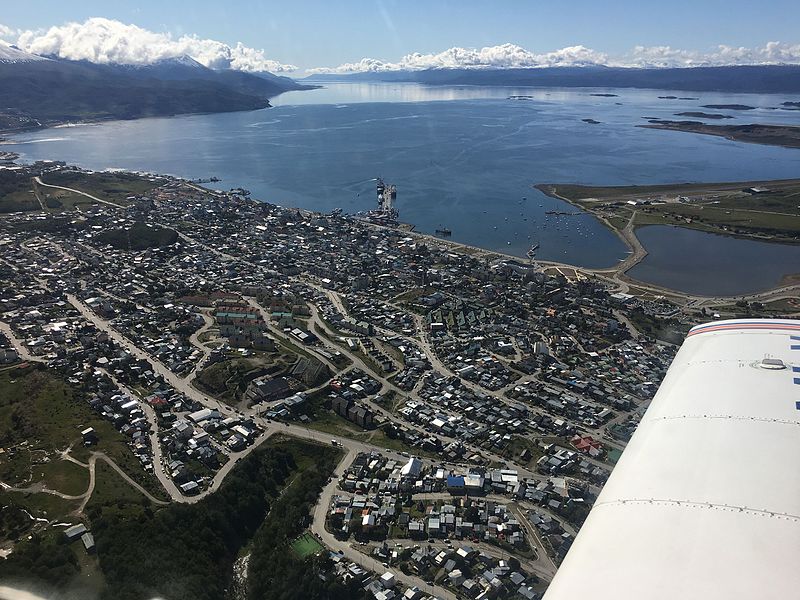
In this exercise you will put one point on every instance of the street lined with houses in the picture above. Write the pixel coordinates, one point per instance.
(494, 394)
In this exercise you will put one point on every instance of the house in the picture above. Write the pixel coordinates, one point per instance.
(388, 580)
(456, 485)
(89, 436)
(412, 468)
(88, 542)
(189, 488)
(8, 355)
(434, 527)
(74, 532)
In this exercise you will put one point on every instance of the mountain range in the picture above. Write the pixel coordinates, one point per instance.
(40, 91)
(734, 79)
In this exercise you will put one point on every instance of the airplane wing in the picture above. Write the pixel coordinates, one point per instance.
(705, 500)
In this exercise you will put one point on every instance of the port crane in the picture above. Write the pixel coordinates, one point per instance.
(387, 194)
(531, 253)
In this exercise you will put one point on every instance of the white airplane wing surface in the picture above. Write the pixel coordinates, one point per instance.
(705, 500)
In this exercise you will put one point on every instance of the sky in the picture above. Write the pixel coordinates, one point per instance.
(309, 34)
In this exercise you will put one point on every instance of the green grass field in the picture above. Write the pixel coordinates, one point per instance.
(62, 476)
(17, 190)
(113, 186)
(110, 488)
(39, 409)
(306, 545)
(713, 207)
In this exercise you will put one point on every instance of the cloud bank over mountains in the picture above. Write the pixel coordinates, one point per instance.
(505, 56)
(511, 56)
(106, 41)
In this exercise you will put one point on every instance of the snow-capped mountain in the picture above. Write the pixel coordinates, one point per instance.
(12, 54)
(88, 90)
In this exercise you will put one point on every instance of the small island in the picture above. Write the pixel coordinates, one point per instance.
(770, 135)
(702, 115)
(729, 106)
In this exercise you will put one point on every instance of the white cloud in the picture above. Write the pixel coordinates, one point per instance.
(100, 40)
(505, 56)
(510, 56)
(664, 56)
(661, 56)
(6, 33)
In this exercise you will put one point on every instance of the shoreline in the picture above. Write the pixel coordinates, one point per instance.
(57, 124)
(611, 275)
(619, 273)
(615, 275)
(786, 136)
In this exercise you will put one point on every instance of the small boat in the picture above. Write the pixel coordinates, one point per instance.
(444, 231)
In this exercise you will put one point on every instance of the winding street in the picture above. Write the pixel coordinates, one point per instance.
(347, 549)
(352, 447)
(41, 488)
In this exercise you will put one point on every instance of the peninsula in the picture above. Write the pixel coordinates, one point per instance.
(771, 135)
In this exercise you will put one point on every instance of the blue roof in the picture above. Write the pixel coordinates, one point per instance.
(455, 481)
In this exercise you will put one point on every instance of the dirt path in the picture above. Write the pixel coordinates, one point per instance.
(74, 191)
(41, 487)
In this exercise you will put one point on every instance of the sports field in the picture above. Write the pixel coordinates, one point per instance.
(306, 545)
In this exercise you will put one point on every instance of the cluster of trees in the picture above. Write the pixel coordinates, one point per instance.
(139, 237)
(187, 551)
(44, 560)
(274, 572)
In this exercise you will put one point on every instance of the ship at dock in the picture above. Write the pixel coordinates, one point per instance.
(386, 213)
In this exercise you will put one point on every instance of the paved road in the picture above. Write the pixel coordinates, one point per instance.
(194, 340)
(159, 468)
(21, 349)
(281, 335)
(345, 548)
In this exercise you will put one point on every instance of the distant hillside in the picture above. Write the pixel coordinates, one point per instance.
(758, 79)
(44, 92)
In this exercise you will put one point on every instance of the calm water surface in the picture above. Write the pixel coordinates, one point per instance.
(720, 265)
(464, 158)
